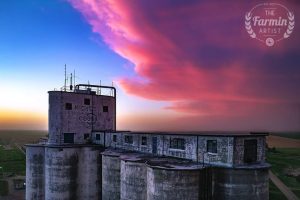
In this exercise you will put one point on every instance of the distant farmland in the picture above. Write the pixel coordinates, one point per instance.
(20, 136)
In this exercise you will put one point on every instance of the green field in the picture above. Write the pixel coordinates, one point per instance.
(292, 135)
(275, 193)
(12, 161)
(282, 160)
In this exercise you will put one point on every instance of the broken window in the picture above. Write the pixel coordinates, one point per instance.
(128, 139)
(250, 151)
(86, 136)
(69, 138)
(212, 146)
(177, 143)
(87, 101)
(114, 138)
(97, 136)
(144, 140)
(68, 106)
(105, 108)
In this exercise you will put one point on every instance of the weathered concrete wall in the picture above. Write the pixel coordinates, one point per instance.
(89, 182)
(195, 146)
(35, 174)
(61, 173)
(239, 149)
(110, 176)
(190, 151)
(133, 178)
(237, 184)
(224, 155)
(82, 118)
(172, 184)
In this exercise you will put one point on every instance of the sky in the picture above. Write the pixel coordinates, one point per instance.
(177, 65)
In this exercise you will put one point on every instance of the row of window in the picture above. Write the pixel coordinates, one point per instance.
(69, 106)
(250, 146)
(129, 139)
(175, 143)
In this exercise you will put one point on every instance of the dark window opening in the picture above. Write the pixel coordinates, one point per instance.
(128, 139)
(250, 151)
(114, 138)
(105, 108)
(69, 138)
(97, 136)
(68, 106)
(144, 140)
(177, 143)
(87, 102)
(86, 136)
(212, 146)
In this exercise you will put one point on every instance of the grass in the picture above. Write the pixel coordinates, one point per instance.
(282, 159)
(293, 135)
(12, 161)
(275, 193)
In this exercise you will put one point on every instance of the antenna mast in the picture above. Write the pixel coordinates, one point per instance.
(71, 82)
(74, 78)
(65, 78)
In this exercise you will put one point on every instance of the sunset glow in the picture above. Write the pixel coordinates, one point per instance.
(177, 65)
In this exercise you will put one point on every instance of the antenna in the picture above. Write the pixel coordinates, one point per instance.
(65, 77)
(74, 78)
(71, 82)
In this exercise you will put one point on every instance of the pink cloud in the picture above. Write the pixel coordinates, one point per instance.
(197, 55)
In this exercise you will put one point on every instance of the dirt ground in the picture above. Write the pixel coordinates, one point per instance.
(282, 142)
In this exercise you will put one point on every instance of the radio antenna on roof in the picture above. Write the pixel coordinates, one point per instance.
(65, 86)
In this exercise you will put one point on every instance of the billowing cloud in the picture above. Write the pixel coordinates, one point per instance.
(198, 56)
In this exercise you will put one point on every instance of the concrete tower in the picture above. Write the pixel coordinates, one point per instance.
(73, 116)
(68, 166)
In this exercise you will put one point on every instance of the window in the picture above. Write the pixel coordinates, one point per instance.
(250, 151)
(144, 140)
(86, 136)
(68, 137)
(114, 138)
(128, 139)
(212, 146)
(87, 102)
(177, 143)
(97, 136)
(68, 106)
(105, 108)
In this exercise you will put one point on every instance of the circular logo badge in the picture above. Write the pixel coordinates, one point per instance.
(269, 23)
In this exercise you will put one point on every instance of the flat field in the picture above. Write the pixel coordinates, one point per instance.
(286, 166)
(20, 137)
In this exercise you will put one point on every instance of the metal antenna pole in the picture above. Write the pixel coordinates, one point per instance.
(74, 78)
(65, 77)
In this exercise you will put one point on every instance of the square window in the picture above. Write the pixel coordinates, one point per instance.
(87, 101)
(68, 106)
(212, 146)
(97, 136)
(105, 108)
(69, 138)
(177, 143)
(86, 136)
(144, 140)
(114, 138)
(128, 139)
